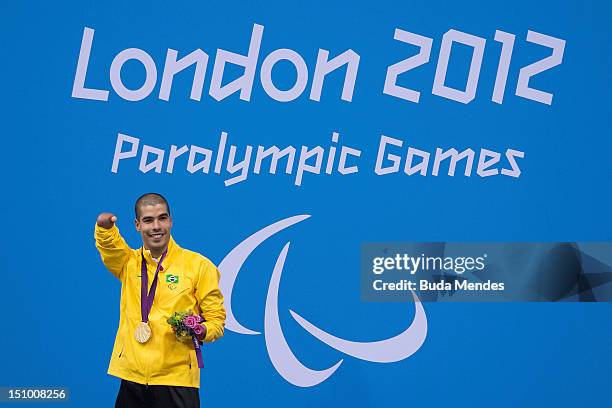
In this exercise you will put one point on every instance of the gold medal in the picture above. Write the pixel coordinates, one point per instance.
(143, 332)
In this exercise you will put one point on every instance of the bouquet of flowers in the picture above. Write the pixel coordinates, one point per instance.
(186, 325)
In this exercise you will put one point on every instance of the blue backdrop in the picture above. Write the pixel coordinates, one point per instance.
(61, 306)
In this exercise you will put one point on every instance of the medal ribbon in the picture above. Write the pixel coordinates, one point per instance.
(146, 299)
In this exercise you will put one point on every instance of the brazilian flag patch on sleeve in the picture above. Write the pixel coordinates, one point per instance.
(172, 279)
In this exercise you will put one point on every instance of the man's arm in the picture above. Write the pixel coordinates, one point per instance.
(210, 300)
(113, 249)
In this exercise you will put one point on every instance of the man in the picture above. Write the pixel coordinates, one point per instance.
(156, 369)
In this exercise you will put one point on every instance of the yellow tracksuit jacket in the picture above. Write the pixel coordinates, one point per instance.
(189, 281)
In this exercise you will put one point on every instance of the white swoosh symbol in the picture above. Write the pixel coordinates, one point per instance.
(280, 354)
(285, 362)
(231, 264)
(390, 350)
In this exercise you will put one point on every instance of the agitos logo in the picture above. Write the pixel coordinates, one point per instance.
(286, 363)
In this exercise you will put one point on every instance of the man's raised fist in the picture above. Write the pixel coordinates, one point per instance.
(106, 220)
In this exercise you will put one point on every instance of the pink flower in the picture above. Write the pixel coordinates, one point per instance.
(198, 318)
(198, 329)
(190, 321)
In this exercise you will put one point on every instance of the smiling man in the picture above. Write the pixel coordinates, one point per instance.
(158, 279)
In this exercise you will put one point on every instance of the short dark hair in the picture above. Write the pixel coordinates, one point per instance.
(150, 199)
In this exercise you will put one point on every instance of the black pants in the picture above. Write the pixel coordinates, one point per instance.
(134, 395)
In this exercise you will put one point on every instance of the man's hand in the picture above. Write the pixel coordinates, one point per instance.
(203, 335)
(106, 220)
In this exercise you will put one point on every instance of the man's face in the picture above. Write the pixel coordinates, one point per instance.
(154, 225)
